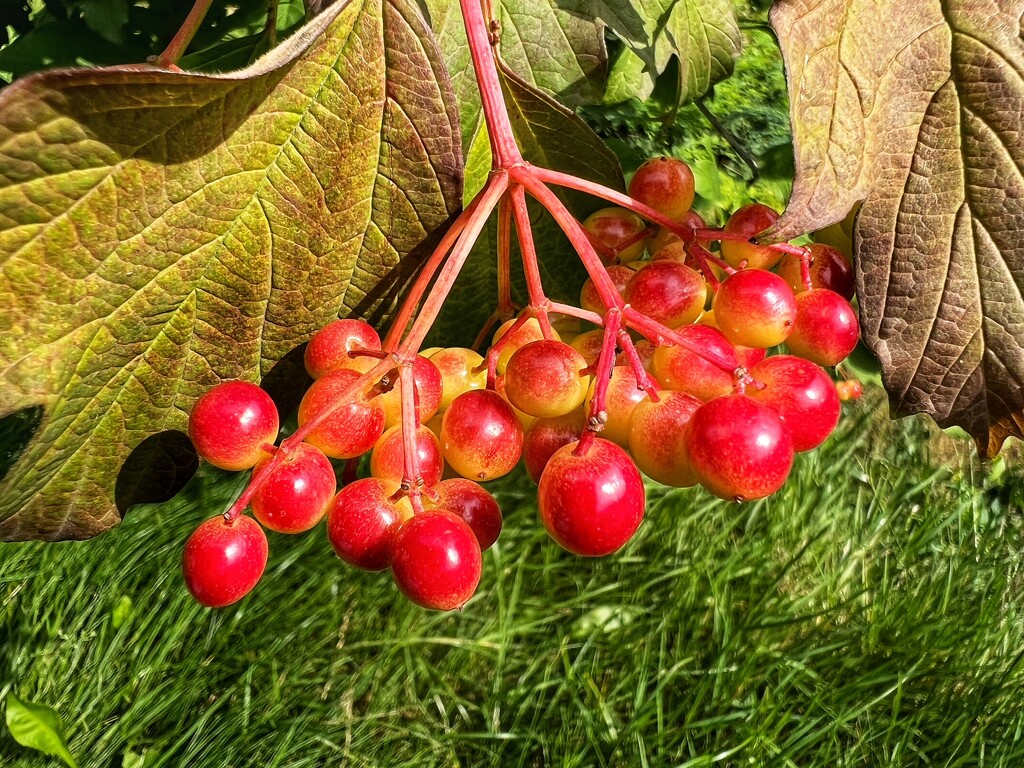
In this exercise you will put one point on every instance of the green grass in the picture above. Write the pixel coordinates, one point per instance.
(869, 614)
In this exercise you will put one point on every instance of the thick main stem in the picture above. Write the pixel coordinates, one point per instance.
(499, 129)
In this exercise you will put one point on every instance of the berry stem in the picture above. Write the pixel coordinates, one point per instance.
(504, 257)
(560, 179)
(170, 56)
(645, 381)
(487, 199)
(657, 333)
(567, 309)
(534, 287)
(426, 274)
(412, 481)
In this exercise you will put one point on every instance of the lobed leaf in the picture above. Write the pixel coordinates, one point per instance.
(915, 108)
(162, 231)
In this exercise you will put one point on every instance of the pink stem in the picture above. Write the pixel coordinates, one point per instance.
(180, 42)
(534, 286)
(487, 198)
(427, 272)
(413, 480)
(571, 311)
(643, 379)
(504, 151)
(602, 375)
(504, 257)
(607, 193)
(657, 333)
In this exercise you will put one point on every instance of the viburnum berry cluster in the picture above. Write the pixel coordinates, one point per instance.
(662, 370)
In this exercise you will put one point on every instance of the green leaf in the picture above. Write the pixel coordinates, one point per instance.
(37, 727)
(548, 135)
(703, 35)
(106, 18)
(162, 231)
(923, 124)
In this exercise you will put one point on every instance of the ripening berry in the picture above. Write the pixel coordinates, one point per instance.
(666, 185)
(545, 379)
(436, 560)
(473, 504)
(231, 423)
(620, 231)
(802, 394)
(826, 328)
(362, 521)
(591, 504)
(295, 495)
(657, 438)
(755, 308)
(353, 424)
(223, 560)
(750, 220)
(329, 347)
(481, 437)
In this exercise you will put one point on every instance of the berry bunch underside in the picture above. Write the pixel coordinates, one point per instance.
(661, 370)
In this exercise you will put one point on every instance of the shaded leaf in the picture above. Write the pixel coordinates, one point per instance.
(923, 124)
(37, 727)
(162, 231)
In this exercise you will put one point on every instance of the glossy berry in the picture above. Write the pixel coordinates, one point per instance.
(524, 334)
(545, 436)
(666, 185)
(656, 438)
(231, 423)
(481, 437)
(224, 560)
(362, 520)
(826, 328)
(671, 293)
(617, 229)
(387, 462)
(755, 308)
(544, 379)
(739, 448)
(352, 428)
(802, 394)
(621, 398)
(461, 369)
(750, 220)
(436, 560)
(297, 492)
(591, 504)
(473, 504)
(589, 345)
(328, 349)
(679, 367)
(829, 268)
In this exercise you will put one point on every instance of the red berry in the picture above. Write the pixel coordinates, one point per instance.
(802, 394)
(545, 436)
(590, 299)
(657, 433)
(750, 220)
(671, 293)
(429, 386)
(826, 328)
(677, 367)
(755, 308)
(849, 389)
(613, 228)
(481, 437)
(353, 427)
(231, 423)
(666, 185)
(295, 496)
(387, 461)
(436, 560)
(740, 449)
(328, 349)
(591, 504)
(362, 521)
(829, 268)
(224, 560)
(473, 504)
(543, 379)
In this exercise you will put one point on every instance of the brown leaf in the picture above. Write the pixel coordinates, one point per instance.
(916, 108)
